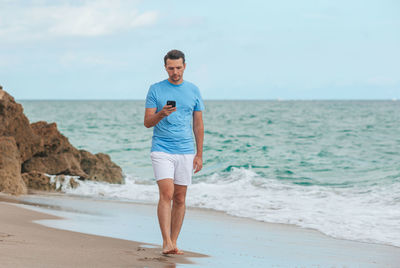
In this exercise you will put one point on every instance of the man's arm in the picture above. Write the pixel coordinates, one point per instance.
(198, 129)
(151, 118)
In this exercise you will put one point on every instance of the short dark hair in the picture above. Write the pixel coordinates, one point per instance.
(174, 55)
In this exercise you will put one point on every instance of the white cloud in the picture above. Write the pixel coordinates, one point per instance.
(21, 21)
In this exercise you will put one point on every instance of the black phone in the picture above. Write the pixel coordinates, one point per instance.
(171, 102)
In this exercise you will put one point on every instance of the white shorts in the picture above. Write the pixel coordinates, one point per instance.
(178, 167)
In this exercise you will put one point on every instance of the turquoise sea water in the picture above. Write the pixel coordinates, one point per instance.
(328, 165)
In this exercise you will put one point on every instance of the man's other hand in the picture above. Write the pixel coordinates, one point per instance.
(197, 163)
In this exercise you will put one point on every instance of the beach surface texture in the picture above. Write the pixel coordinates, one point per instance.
(24, 243)
(98, 227)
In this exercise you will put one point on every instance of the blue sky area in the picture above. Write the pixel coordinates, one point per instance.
(235, 49)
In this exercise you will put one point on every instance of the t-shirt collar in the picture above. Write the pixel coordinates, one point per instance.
(181, 84)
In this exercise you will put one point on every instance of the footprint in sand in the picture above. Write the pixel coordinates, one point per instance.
(153, 259)
(5, 235)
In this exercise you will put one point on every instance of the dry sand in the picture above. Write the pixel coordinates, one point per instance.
(27, 244)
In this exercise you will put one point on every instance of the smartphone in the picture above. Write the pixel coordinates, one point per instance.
(171, 102)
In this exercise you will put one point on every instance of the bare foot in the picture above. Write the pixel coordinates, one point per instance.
(168, 249)
(178, 251)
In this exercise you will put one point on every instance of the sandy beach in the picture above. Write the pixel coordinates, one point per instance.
(24, 243)
(101, 233)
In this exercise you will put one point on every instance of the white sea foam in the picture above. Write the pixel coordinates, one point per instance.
(62, 183)
(364, 214)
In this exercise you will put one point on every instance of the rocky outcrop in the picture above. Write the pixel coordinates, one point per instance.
(14, 123)
(99, 167)
(10, 167)
(38, 149)
(40, 181)
(58, 155)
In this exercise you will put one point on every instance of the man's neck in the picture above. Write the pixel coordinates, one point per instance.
(175, 83)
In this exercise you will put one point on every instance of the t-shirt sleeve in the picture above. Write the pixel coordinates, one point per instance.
(199, 106)
(151, 100)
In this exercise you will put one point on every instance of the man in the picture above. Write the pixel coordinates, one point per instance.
(172, 152)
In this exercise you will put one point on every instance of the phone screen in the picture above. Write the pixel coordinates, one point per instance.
(171, 102)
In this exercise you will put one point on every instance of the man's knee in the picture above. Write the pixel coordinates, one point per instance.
(166, 195)
(179, 199)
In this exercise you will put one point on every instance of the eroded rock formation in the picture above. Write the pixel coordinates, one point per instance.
(30, 151)
(10, 167)
(14, 123)
(39, 181)
(58, 156)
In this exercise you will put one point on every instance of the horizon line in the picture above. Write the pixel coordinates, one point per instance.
(275, 99)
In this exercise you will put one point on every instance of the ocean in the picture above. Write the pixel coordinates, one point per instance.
(333, 166)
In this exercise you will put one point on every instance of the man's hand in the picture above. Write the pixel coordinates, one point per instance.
(151, 118)
(197, 163)
(167, 110)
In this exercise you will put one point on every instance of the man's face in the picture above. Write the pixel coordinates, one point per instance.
(175, 69)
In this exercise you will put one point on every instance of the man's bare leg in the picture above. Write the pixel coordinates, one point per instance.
(166, 189)
(178, 213)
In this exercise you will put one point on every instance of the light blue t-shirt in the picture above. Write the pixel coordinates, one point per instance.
(174, 134)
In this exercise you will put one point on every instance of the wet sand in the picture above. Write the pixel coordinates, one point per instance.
(24, 243)
(227, 241)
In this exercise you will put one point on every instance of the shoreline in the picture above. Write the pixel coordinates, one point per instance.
(25, 243)
(12, 199)
(236, 242)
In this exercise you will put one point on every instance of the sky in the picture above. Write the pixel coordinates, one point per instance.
(254, 49)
